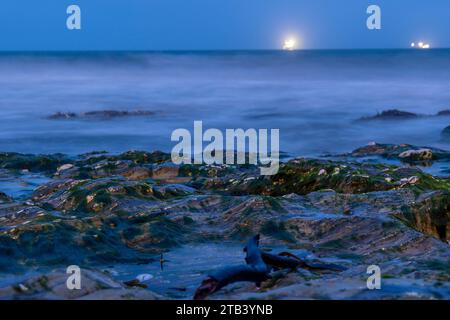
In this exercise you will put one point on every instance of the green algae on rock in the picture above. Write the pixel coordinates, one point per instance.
(402, 152)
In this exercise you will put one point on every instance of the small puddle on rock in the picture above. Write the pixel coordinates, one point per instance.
(20, 186)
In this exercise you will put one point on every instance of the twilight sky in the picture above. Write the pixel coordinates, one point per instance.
(220, 24)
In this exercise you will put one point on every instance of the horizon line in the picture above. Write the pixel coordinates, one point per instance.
(211, 50)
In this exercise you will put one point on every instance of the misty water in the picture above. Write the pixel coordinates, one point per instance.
(313, 97)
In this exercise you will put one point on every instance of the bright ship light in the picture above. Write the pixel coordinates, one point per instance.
(420, 45)
(289, 44)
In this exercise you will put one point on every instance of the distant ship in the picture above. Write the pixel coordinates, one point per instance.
(420, 45)
(289, 44)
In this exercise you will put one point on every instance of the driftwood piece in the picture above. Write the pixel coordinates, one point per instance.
(286, 260)
(255, 271)
(226, 276)
(254, 255)
(258, 268)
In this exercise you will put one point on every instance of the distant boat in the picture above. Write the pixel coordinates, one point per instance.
(420, 45)
(289, 44)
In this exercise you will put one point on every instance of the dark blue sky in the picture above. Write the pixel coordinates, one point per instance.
(220, 24)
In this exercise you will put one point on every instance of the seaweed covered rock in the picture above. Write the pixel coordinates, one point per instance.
(430, 214)
(44, 163)
(49, 239)
(134, 165)
(143, 157)
(102, 194)
(403, 152)
(106, 168)
(417, 155)
(302, 176)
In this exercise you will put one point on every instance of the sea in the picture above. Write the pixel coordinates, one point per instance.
(314, 97)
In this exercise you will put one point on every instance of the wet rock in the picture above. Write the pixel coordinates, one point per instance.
(135, 283)
(136, 173)
(117, 113)
(103, 194)
(48, 239)
(392, 114)
(143, 157)
(165, 172)
(430, 214)
(106, 168)
(172, 190)
(445, 112)
(18, 161)
(4, 198)
(417, 155)
(134, 165)
(411, 180)
(63, 115)
(370, 235)
(64, 167)
(88, 195)
(102, 114)
(144, 277)
(301, 176)
(372, 149)
(445, 134)
(402, 152)
(13, 214)
(52, 285)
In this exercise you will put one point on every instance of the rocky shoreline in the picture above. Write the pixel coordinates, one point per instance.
(100, 209)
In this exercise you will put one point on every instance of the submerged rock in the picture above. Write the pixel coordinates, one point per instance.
(63, 115)
(392, 114)
(102, 114)
(445, 112)
(445, 134)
